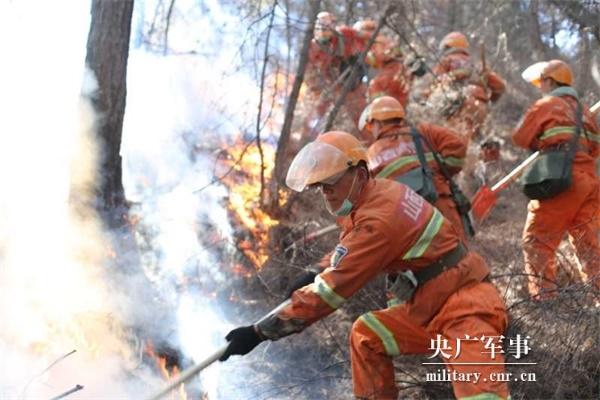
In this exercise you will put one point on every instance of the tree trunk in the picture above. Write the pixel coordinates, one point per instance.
(540, 47)
(107, 53)
(282, 145)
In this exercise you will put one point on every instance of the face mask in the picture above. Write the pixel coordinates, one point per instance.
(346, 206)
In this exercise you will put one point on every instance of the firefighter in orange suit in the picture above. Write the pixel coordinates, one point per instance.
(392, 77)
(389, 75)
(456, 71)
(393, 153)
(549, 124)
(366, 28)
(332, 53)
(387, 227)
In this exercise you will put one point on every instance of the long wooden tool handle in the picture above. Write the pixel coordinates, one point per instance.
(190, 372)
(519, 169)
(194, 370)
(515, 173)
(595, 107)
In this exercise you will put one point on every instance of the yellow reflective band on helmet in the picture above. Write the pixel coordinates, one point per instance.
(484, 396)
(386, 336)
(568, 130)
(454, 161)
(400, 162)
(433, 227)
(327, 294)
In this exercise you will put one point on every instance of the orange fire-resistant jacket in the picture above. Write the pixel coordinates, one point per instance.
(390, 229)
(326, 59)
(393, 80)
(456, 65)
(551, 121)
(394, 153)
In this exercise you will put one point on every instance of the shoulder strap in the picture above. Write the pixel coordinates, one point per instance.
(462, 203)
(417, 138)
(578, 128)
(439, 162)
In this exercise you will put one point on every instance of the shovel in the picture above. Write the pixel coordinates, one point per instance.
(195, 369)
(485, 198)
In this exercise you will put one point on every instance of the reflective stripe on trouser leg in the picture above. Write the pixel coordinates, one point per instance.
(384, 334)
(372, 368)
(476, 311)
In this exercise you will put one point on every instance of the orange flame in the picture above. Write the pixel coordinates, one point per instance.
(244, 181)
(244, 185)
(166, 371)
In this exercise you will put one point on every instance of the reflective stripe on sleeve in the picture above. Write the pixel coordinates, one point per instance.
(386, 336)
(432, 228)
(569, 130)
(327, 294)
(454, 161)
(401, 162)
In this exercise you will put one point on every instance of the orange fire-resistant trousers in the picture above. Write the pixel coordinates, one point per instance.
(474, 310)
(575, 211)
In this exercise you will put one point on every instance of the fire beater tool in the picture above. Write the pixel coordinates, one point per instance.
(485, 199)
(195, 369)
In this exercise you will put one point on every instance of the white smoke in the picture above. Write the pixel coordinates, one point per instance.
(54, 297)
(58, 292)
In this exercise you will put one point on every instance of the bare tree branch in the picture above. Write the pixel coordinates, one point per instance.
(260, 104)
(168, 24)
(355, 70)
(284, 137)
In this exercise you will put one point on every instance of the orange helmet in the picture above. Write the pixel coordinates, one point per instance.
(454, 40)
(381, 109)
(384, 108)
(324, 25)
(365, 25)
(329, 155)
(554, 69)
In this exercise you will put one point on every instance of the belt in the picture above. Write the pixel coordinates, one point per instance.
(447, 261)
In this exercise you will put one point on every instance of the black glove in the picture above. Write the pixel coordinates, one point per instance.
(241, 341)
(306, 278)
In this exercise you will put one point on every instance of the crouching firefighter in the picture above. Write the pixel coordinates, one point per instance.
(424, 157)
(386, 227)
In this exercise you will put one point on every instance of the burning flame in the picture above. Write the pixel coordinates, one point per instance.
(246, 188)
(167, 371)
(244, 185)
